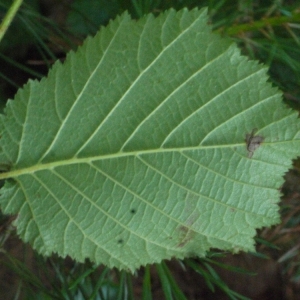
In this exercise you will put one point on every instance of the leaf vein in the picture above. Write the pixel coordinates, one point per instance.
(23, 128)
(80, 95)
(112, 111)
(67, 213)
(164, 101)
(153, 206)
(99, 207)
(228, 120)
(30, 207)
(208, 103)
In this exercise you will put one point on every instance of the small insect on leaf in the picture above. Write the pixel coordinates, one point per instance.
(253, 142)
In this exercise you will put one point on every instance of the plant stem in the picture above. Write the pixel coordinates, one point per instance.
(9, 17)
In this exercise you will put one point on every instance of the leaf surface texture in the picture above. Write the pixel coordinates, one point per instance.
(134, 149)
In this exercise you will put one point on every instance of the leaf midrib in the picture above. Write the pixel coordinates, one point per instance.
(76, 160)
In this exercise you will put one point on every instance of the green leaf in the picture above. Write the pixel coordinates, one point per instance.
(134, 150)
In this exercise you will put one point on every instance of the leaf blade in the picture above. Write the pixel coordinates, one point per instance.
(133, 151)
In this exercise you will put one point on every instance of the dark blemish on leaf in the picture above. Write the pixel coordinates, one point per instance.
(253, 142)
(185, 235)
(120, 241)
(183, 229)
(133, 211)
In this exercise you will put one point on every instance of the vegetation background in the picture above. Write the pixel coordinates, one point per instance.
(269, 31)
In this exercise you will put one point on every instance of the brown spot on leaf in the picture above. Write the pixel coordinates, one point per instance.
(185, 235)
(253, 142)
